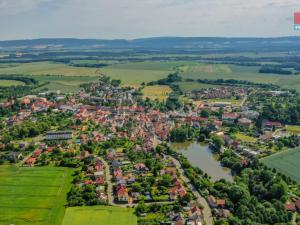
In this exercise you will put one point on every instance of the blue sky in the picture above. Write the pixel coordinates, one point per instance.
(109, 19)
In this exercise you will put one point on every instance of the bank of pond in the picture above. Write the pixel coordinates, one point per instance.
(202, 156)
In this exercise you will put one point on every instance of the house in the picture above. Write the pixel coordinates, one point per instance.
(230, 117)
(37, 153)
(244, 122)
(99, 174)
(30, 162)
(215, 203)
(290, 207)
(14, 156)
(271, 125)
(59, 135)
(250, 114)
(122, 194)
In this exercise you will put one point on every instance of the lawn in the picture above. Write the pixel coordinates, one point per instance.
(286, 162)
(232, 100)
(293, 129)
(33, 196)
(160, 92)
(244, 137)
(99, 215)
(8, 83)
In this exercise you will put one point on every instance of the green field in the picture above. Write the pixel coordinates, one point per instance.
(160, 92)
(99, 215)
(244, 137)
(8, 83)
(286, 162)
(135, 73)
(293, 129)
(190, 86)
(33, 196)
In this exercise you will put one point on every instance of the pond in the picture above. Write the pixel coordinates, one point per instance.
(201, 155)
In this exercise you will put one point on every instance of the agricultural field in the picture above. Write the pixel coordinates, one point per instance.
(226, 71)
(245, 138)
(286, 162)
(135, 73)
(293, 129)
(160, 92)
(8, 83)
(190, 86)
(99, 215)
(233, 101)
(33, 196)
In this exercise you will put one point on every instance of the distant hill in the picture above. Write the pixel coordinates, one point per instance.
(176, 43)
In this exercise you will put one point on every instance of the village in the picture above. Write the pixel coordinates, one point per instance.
(115, 144)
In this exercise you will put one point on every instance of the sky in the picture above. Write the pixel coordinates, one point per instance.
(117, 19)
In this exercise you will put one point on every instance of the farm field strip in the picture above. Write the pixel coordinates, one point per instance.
(99, 215)
(33, 195)
(286, 162)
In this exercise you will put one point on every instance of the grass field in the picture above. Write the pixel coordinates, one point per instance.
(99, 215)
(286, 162)
(160, 92)
(135, 73)
(190, 86)
(8, 83)
(293, 129)
(244, 137)
(33, 196)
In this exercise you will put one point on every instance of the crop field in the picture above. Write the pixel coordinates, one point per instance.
(8, 83)
(33, 196)
(286, 162)
(190, 86)
(225, 71)
(293, 129)
(160, 92)
(244, 137)
(135, 73)
(99, 215)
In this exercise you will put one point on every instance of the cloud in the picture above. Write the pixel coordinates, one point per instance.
(141, 18)
(14, 7)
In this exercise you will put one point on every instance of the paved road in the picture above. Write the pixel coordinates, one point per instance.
(206, 209)
(110, 194)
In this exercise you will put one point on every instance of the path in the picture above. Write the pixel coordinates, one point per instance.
(207, 214)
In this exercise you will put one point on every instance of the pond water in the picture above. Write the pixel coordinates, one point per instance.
(201, 155)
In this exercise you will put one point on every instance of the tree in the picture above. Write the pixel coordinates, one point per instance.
(218, 142)
(205, 113)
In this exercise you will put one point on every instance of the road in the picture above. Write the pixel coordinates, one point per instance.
(207, 214)
(110, 194)
(243, 101)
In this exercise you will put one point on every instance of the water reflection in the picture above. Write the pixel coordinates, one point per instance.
(200, 155)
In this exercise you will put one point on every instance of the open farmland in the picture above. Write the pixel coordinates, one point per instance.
(225, 71)
(286, 162)
(160, 92)
(33, 195)
(7, 83)
(99, 215)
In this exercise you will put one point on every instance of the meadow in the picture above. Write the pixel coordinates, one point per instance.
(160, 92)
(135, 73)
(244, 137)
(286, 162)
(33, 196)
(99, 215)
(293, 129)
(8, 83)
